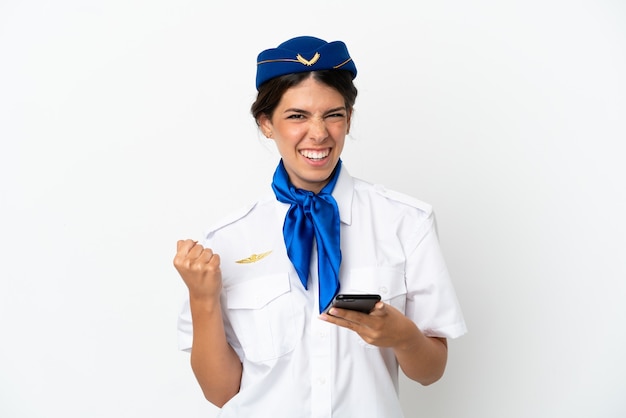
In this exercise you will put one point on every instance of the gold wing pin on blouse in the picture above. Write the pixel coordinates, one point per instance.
(253, 258)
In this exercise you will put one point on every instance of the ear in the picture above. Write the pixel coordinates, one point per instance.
(265, 124)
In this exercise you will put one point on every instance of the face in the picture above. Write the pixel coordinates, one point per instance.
(309, 127)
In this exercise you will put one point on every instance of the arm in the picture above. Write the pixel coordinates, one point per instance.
(213, 361)
(421, 358)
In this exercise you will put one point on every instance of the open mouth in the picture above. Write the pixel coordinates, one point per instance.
(315, 155)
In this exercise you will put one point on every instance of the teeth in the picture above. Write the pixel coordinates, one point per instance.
(315, 155)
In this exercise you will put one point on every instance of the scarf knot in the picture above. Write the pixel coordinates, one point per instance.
(312, 216)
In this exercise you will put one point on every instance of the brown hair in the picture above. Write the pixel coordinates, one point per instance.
(272, 90)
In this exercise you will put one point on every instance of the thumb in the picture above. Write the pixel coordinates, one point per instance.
(379, 309)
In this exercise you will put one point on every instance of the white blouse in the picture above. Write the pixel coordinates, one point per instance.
(296, 365)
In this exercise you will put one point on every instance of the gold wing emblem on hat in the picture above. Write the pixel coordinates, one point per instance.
(307, 62)
(253, 258)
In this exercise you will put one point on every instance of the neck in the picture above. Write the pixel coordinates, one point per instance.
(318, 187)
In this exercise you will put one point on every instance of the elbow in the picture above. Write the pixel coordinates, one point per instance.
(424, 379)
(217, 400)
(218, 397)
(217, 391)
(429, 380)
(432, 376)
(218, 394)
(428, 375)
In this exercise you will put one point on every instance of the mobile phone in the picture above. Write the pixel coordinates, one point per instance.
(357, 302)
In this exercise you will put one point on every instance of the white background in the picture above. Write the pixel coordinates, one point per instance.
(124, 126)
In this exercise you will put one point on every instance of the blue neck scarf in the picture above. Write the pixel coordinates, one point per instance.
(312, 215)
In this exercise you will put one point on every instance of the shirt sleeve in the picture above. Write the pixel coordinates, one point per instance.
(185, 328)
(185, 331)
(431, 299)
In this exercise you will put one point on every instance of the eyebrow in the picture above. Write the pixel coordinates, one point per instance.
(296, 110)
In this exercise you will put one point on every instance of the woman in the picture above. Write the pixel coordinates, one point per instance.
(261, 343)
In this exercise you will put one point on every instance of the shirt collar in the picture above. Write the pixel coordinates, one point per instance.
(343, 193)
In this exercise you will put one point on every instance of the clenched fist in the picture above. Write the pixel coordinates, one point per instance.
(200, 269)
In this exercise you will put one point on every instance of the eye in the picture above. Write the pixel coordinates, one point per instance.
(295, 116)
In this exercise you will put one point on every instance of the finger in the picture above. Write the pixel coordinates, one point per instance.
(347, 318)
(206, 255)
(208, 263)
(182, 250)
(379, 309)
(183, 246)
(215, 260)
(196, 251)
(337, 320)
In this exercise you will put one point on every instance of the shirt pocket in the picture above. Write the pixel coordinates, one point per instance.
(264, 317)
(388, 282)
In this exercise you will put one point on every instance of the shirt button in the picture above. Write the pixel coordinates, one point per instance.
(383, 290)
(321, 381)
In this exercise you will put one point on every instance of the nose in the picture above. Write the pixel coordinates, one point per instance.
(317, 130)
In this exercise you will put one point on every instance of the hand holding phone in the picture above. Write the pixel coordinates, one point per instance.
(357, 302)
